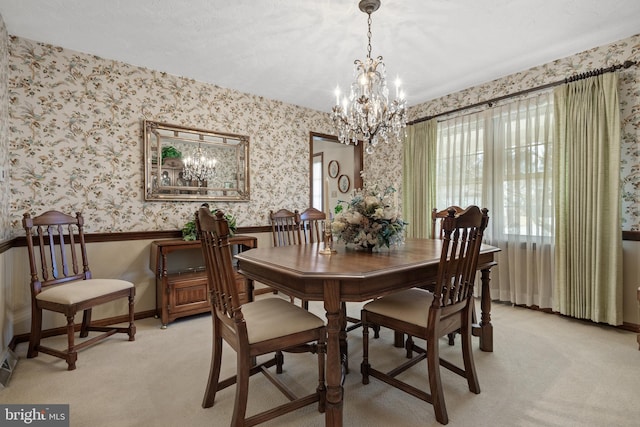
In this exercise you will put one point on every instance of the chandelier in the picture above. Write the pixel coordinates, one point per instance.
(198, 166)
(367, 114)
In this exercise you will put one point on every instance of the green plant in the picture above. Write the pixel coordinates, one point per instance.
(170, 152)
(189, 229)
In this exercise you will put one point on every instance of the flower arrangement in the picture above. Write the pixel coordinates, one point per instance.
(189, 231)
(370, 219)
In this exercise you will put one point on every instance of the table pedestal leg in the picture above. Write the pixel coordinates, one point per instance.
(332, 306)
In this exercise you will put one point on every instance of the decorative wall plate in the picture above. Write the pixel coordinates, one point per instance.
(344, 183)
(334, 168)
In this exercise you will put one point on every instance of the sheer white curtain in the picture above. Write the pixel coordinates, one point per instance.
(500, 159)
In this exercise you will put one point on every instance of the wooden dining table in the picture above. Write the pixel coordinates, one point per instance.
(351, 275)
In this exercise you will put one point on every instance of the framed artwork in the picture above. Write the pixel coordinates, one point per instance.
(334, 168)
(344, 183)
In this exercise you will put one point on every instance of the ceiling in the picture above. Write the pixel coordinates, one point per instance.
(297, 51)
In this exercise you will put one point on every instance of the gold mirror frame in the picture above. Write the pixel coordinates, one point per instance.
(166, 178)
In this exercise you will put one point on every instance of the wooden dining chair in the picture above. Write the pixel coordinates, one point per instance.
(437, 232)
(269, 325)
(311, 225)
(59, 283)
(285, 231)
(285, 228)
(430, 315)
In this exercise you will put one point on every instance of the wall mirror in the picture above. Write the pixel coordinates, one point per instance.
(182, 164)
(329, 160)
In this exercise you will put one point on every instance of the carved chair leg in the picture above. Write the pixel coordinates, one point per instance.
(469, 365)
(242, 390)
(364, 367)
(36, 332)
(86, 322)
(72, 354)
(322, 388)
(214, 372)
(408, 345)
(435, 383)
(132, 326)
(452, 338)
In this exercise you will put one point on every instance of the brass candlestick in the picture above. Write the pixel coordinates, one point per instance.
(327, 240)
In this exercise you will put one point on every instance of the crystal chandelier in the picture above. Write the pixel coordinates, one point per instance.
(367, 114)
(198, 166)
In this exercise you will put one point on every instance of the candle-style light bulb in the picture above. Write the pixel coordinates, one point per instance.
(337, 92)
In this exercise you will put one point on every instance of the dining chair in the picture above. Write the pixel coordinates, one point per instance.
(311, 225)
(267, 325)
(285, 228)
(437, 232)
(56, 247)
(430, 315)
(285, 231)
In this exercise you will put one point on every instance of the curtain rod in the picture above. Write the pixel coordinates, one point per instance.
(626, 64)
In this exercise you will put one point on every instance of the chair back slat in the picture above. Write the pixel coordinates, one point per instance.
(437, 218)
(312, 225)
(213, 232)
(53, 242)
(285, 227)
(462, 238)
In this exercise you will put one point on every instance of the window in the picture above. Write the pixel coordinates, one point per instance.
(500, 159)
(317, 196)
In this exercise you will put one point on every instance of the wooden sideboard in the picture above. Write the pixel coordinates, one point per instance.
(181, 279)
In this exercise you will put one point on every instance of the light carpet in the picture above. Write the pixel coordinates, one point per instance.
(546, 370)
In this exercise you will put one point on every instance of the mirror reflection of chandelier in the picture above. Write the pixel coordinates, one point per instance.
(198, 166)
(367, 115)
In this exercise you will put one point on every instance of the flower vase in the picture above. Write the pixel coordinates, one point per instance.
(368, 248)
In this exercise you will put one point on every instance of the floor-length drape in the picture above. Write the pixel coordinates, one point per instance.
(500, 159)
(522, 200)
(588, 274)
(418, 182)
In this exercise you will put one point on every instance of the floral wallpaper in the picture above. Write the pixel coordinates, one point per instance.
(76, 139)
(4, 133)
(75, 134)
(599, 57)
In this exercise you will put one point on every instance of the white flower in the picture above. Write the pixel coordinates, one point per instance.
(371, 201)
(369, 219)
(337, 225)
(353, 217)
(389, 213)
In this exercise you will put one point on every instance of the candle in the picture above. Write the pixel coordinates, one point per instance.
(326, 198)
